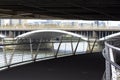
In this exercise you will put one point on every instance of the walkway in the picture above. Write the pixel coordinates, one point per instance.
(79, 67)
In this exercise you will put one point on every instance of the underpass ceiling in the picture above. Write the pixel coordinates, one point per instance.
(61, 9)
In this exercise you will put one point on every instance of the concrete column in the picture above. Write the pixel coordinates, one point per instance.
(10, 34)
(94, 35)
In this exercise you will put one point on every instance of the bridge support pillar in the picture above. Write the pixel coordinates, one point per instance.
(94, 34)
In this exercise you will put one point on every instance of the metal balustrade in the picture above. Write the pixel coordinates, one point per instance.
(112, 67)
(12, 56)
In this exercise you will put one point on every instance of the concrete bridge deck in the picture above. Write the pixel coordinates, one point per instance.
(67, 28)
(78, 67)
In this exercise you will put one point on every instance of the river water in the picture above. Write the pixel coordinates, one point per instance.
(24, 55)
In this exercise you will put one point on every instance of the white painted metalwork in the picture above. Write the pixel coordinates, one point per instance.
(12, 55)
(113, 70)
(71, 45)
(111, 43)
(2, 36)
(37, 50)
(110, 37)
(41, 37)
(4, 53)
(76, 47)
(43, 33)
(58, 48)
(31, 48)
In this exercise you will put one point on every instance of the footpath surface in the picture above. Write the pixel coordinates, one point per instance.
(78, 67)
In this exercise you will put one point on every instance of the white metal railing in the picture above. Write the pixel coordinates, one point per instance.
(112, 68)
(10, 56)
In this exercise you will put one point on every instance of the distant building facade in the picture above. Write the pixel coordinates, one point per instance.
(2, 22)
(12, 22)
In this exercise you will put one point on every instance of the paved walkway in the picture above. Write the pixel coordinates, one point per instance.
(79, 67)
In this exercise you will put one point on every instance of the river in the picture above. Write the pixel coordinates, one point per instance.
(24, 55)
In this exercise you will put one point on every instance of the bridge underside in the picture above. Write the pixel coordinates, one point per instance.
(80, 67)
(61, 9)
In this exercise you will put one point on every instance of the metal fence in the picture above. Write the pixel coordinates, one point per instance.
(12, 53)
(111, 55)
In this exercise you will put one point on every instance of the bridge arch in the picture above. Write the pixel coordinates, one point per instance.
(47, 34)
(44, 37)
(2, 36)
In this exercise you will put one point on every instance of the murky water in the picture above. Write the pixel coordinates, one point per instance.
(24, 55)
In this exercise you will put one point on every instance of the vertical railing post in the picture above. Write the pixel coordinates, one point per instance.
(72, 45)
(23, 56)
(31, 48)
(108, 68)
(89, 43)
(65, 48)
(113, 70)
(53, 47)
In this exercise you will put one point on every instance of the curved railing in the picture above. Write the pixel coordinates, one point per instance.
(112, 68)
(13, 57)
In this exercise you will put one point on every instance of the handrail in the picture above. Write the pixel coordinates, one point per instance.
(22, 62)
(107, 55)
(7, 66)
(114, 64)
(23, 43)
(31, 60)
(111, 46)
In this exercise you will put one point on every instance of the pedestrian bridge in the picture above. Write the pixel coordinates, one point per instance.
(59, 61)
(34, 45)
